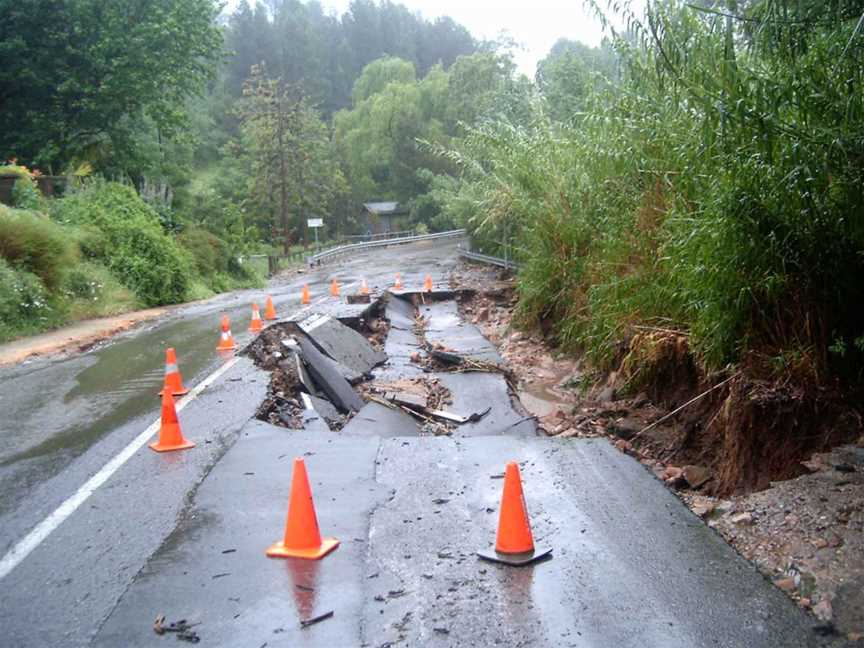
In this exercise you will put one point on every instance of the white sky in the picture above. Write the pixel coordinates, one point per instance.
(536, 24)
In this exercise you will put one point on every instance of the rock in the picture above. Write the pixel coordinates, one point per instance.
(823, 610)
(640, 400)
(791, 520)
(820, 543)
(517, 336)
(624, 428)
(623, 446)
(568, 433)
(482, 314)
(672, 473)
(415, 356)
(743, 518)
(703, 509)
(696, 476)
(606, 395)
(785, 584)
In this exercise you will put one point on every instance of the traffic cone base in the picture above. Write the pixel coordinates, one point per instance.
(279, 550)
(304, 295)
(517, 560)
(158, 446)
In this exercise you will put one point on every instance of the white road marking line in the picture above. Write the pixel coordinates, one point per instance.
(47, 526)
(33, 539)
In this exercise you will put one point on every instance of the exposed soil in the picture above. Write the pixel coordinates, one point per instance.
(739, 436)
(282, 405)
(75, 338)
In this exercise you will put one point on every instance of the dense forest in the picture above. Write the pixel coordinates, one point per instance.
(691, 189)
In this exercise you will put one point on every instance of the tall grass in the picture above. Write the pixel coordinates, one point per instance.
(712, 187)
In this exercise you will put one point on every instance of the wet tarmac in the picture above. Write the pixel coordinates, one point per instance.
(184, 534)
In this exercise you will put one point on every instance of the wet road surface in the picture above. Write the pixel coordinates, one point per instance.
(183, 534)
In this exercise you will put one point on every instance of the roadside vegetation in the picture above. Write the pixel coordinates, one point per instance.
(686, 206)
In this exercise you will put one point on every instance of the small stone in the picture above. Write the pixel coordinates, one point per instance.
(786, 584)
(703, 508)
(791, 520)
(820, 543)
(696, 476)
(568, 433)
(823, 610)
(743, 518)
(672, 473)
(415, 356)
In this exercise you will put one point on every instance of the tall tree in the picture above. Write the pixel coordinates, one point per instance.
(79, 75)
(292, 157)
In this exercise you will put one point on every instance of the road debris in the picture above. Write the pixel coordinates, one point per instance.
(342, 343)
(305, 623)
(182, 629)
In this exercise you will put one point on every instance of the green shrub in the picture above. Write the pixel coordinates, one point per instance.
(209, 253)
(25, 193)
(93, 291)
(24, 303)
(130, 241)
(34, 243)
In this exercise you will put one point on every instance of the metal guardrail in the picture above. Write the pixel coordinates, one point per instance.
(507, 264)
(343, 249)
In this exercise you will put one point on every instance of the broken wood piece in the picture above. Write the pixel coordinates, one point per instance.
(305, 623)
(445, 356)
(448, 416)
(409, 400)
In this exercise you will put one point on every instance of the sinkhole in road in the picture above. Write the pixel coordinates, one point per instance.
(407, 365)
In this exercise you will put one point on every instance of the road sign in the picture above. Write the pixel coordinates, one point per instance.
(315, 222)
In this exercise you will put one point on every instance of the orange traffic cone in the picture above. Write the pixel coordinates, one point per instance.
(269, 311)
(302, 537)
(398, 284)
(256, 326)
(364, 289)
(170, 435)
(226, 341)
(304, 295)
(334, 288)
(427, 284)
(173, 380)
(514, 544)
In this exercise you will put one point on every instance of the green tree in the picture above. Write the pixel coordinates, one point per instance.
(294, 168)
(78, 76)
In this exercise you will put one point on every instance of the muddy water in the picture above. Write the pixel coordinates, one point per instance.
(53, 412)
(544, 396)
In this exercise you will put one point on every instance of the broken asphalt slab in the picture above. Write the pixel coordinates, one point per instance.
(473, 392)
(444, 325)
(342, 343)
(329, 378)
(379, 420)
(212, 570)
(631, 565)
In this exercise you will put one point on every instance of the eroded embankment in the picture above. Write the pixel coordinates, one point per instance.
(737, 447)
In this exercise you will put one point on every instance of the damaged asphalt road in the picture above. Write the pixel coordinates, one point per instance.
(182, 535)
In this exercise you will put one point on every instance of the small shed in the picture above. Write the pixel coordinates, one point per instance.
(385, 217)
